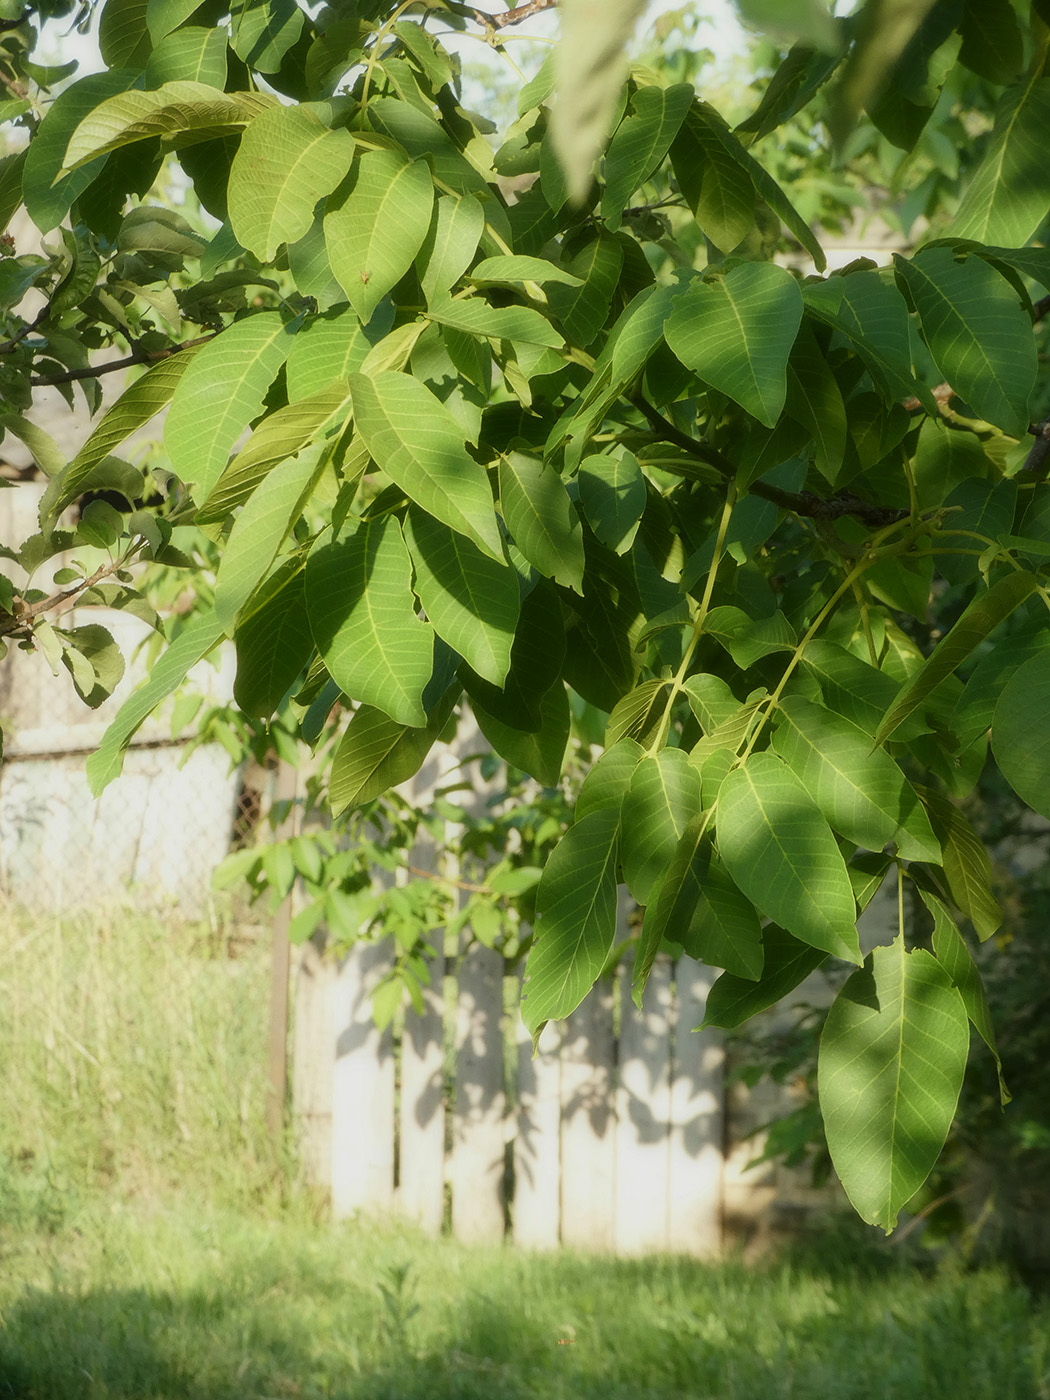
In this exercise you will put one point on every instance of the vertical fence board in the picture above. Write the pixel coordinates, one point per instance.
(477, 1166)
(363, 1088)
(588, 1123)
(537, 1143)
(313, 1062)
(697, 1118)
(643, 1113)
(422, 1161)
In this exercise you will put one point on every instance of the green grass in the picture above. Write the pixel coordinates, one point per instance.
(154, 1247)
(221, 1305)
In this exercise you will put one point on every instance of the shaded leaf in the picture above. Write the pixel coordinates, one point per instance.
(736, 333)
(781, 853)
(362, 615)
(575, 920)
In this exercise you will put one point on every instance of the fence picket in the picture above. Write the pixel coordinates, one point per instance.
(643, 1113)
(537, 1144)
(313, 1062)
(588, 1122)
(421, 1187)
(362, 1089)
(477, 1166)
(697, 1118)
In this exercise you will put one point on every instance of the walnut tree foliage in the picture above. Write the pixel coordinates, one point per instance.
(512, 421)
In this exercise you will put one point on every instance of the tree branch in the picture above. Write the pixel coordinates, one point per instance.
(506, 18)
(799, 502)
(23, 618)
(137, 357)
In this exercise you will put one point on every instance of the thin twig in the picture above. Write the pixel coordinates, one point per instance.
(20, 621)
(448, 880)
(137, 357)
(6, 346)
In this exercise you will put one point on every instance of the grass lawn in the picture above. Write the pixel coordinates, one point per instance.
(153, 1246)
(152, 1303)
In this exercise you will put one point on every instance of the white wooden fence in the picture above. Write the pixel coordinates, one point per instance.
(610, 1138)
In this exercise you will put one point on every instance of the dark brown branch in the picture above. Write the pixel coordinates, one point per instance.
(799, 502)
(137, 357)
(1035, 464)
(506, 18)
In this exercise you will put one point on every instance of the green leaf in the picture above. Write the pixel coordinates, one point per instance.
(736, 333)
(220, 394)
(449, 247)
(278, 437)
(640, 143)
(992, 45)
(1007, 198)
(808, 21)
(192, 644)
(510, 268)
(575, 920)
(986, 611)
(415, 439)
(542, 519)
(477, 317)
(955, 957)
(287, 160)
(363, 619)
(584, 309)
(706, 120)
(590, 67)
(815, 400)
(967, 867)
(123, 37)
(264, 31)
(606, 785)
(696, 904)
(182, 113)
(194, 54)
(135, 407)
(859, 789)
(376, 754)
(259, 531)
(472, 601)
(786, 963)
(272, 644)
(640, 713)
(663, 797)
(1021, 732)
(873, 316)
(716, 186)
(612, 490)
(978, 333)
(748, 639)
(375, 225)
(782, 854)
(854, 688)
(536, 660)
(103, 663)
(328, 348)
(540, 753)
(891, 1065)
(47, 194)
(163, 16)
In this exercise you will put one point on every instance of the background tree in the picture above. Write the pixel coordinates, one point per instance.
(586, 439)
